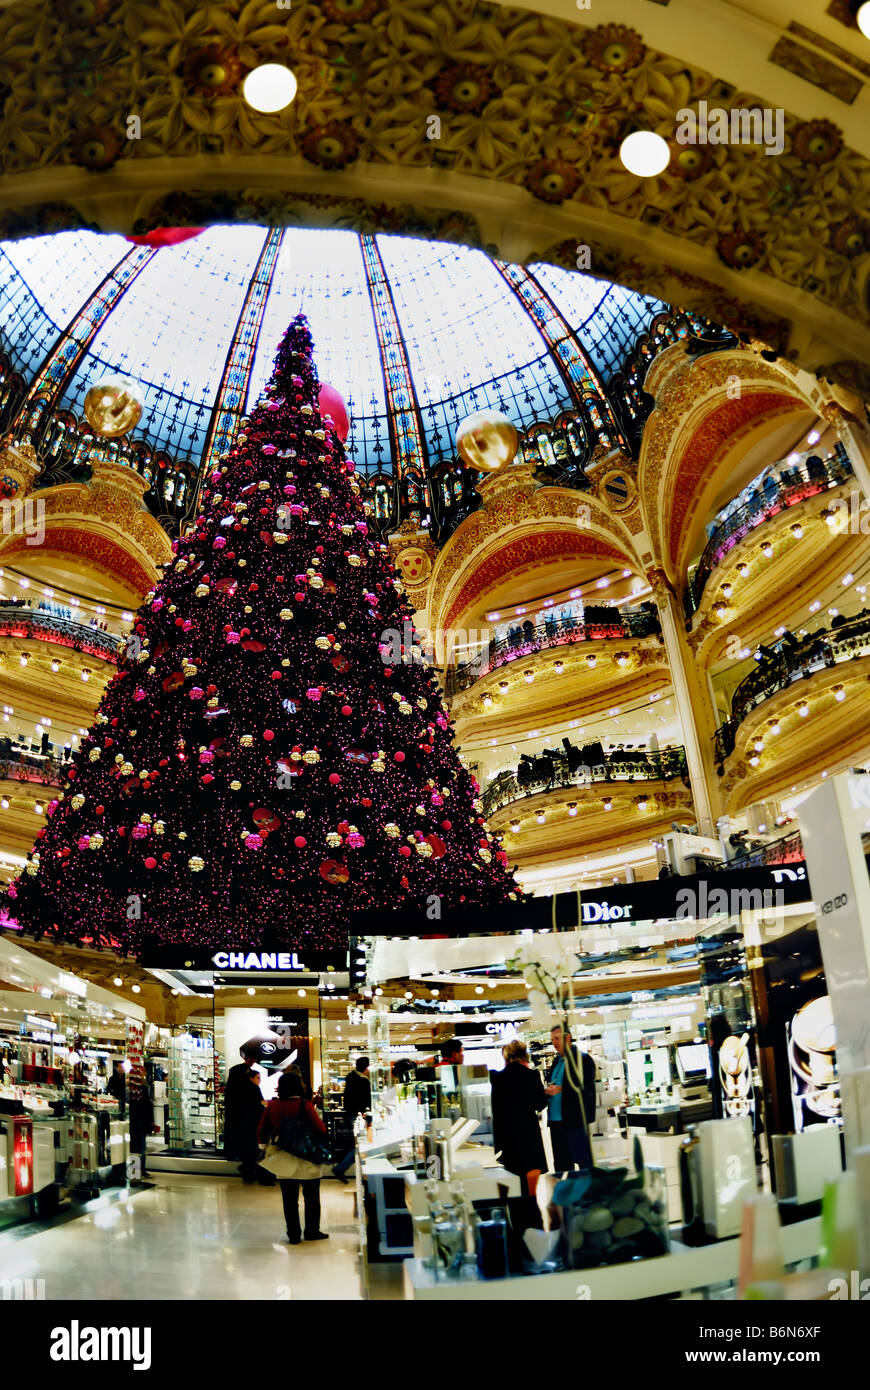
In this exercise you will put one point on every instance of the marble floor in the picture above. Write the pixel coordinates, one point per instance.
(190, 1237)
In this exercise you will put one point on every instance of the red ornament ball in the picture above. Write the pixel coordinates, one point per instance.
(399, 757)
(331, 403)
(404, 850)
(268, 735)
(346, 709)
(334, 778)
(151, 862)
(300, 842)
(276, 675)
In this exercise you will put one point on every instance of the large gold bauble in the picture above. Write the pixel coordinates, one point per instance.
(487, 441)
(113, 407)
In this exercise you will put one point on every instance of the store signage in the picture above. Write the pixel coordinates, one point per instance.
(605, 911)
(45, 1025)
(71, 984)
(257, 960)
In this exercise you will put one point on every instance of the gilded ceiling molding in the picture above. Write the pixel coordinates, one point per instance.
(701, 404)
(515, 509)
(104, 523)
(487, 124)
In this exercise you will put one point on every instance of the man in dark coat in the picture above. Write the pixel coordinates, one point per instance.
(357, 1100)
(243, 1110)
(517, 1098)
(571, 1079)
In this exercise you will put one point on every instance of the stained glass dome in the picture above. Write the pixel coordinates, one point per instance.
(415, 335)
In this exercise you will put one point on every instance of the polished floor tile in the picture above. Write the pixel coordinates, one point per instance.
(190, 1237)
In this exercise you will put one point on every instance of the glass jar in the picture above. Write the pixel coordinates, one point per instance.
(448, 1240)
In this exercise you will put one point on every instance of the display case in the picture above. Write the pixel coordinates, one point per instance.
(193, 1115)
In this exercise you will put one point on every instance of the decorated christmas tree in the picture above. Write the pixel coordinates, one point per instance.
(272, 755)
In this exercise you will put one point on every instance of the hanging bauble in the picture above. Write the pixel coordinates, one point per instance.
(165, 236)
(487, 441)
(334, 872)
(331, 403)
(113, 407)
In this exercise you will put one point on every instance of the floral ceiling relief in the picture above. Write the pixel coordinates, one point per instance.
(535, 104)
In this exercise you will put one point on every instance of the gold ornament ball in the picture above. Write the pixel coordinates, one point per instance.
(113, 407)
(487, 441)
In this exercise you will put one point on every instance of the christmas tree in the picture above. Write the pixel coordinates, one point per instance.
(270, 756)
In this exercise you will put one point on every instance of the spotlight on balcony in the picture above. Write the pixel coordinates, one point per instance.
(86, 675)
(540, 817)
(797, 531)
(55, 666)
(743, 569)
(558, 667)
(591, 660)
(642, 803)
(803, 709)
(766, 549)
(726, 590)
(839, 692)
(515, 827)
(528, 677)
(572, 808)
(608, 803)
(774, 728)
(503, 687)
(621, 658)
(487, 702)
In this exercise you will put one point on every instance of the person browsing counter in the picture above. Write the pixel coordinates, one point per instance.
(571, 1103)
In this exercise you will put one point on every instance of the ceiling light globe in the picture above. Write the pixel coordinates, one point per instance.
(645, 154)
(269, 87)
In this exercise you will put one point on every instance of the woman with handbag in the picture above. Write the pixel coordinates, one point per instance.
(296, 1151)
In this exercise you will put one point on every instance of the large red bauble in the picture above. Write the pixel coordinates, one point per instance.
(437, 845)
(334, 871)
(331, 403)
(165, 236)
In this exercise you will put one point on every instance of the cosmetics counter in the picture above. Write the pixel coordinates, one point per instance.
(61, 1135)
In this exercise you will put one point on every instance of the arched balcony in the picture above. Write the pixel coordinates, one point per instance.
(787, 489)
(597, 625)
(548, 773)
(818, 652)
(16, 620)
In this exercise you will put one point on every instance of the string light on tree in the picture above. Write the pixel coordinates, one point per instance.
(260, 767)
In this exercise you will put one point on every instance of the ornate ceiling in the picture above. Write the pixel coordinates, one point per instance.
(469, 122)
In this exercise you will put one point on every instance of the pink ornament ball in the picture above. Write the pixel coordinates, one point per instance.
(332, 404)
(219, 542)
(232, 638)
(313, 693)
(253, 842)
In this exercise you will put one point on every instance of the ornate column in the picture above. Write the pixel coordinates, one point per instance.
(855, 438)
(696, 714)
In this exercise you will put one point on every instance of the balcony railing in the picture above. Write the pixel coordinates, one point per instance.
(792, 486)
(546, 774)
(817, 652)
(43, 769)
(558, 633)
(65, 632)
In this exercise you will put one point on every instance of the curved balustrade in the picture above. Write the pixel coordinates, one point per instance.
(557, 772)
(815, 653)
(65, 632)
(792, 486)
(558, 633)
(43, 770)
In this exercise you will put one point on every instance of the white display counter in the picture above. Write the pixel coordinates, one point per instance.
(682, 1270)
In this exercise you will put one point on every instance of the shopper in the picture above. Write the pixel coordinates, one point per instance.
(292, 1172)
(357, 1100)
(571, 1109)
(243, 1110)
(117, 1086)
(518, 1096)
(452, 1054)
(141, 1121)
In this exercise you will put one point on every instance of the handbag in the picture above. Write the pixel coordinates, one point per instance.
(296, 1137)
